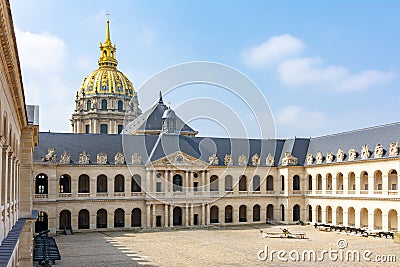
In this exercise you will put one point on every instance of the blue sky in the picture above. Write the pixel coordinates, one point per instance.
(323, 67)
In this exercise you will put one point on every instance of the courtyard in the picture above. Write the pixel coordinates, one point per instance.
(220, 246)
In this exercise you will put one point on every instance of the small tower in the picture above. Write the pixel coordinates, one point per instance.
(169, 121)
(106, 97)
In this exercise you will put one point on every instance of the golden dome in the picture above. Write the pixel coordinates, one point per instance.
(107, 79)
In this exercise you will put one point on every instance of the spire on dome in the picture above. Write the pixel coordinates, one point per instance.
(107, 50)
(160, 100)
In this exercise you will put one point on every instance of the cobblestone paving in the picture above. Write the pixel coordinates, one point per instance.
(216, 246)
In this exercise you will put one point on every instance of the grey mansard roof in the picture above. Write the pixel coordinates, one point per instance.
(155, 147)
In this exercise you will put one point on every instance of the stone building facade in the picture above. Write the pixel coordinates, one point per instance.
(18, 137)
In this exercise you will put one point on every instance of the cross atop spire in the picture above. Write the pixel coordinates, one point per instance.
(108, 38)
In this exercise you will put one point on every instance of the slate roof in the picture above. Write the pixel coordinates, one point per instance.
(151, 120)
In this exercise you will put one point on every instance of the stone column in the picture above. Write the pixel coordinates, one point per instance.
(171, 215)
(371, 185)
(154, 181)
(324, 184)
(385, 221)
(345, 184)
(334, 186)
(148, 214)
(371, 219)
(357, 221)
(398, 187)
(93, 220)
(385, 184)
(187, 183)
(358, 184)
(110, 219)
(334, 217)
(207, 213)
(207, 175)
(203, 214)
(110, 186)
(187, 215)
(235, 214)
(93, 186)
(166, 181)
(165, 215)
(203, 181)
(147, 183)
(314, 214)
(345, 218)
(128, 219)
(191, 214)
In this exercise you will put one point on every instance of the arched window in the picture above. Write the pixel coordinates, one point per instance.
(214, 214)
(177, 181)
(88, 105)
(256, 183)
(256, 213)
(103, 104)
(296, 182)
(282, 183)
(101, 218)
(83, 184)
(65, 220)
(270, 183)
(65, 183)
(119, 183)
(136, 182)
(242, 214)
(42, 222)
(41, 184)
(214, 183)
(243, 183)
(120, 105)
(228, 214)
(296, 213)
(228, 183)
(102, 184)
(136, 217)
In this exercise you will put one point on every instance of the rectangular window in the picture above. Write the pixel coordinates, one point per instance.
(394, 186)
(158, 187)
(379, 186)
(104, 129)
(195, 186)
(120, 127)
(87, 128)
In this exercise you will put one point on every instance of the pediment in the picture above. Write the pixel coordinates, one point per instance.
(180, 159)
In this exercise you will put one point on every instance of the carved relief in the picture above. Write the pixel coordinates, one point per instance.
(242, 160)
(119, 158)
(50, 156)
(228, 160)
(101, 158)
(255, 160)
(339, 155)
(65, 157)
(394, 149)
(378, 152)
(352, 154)
(84, 158)
(289, 159)
(269, 161)
(319, 157)
(310, 159)
(213, 160)
(329, 157)
(136, 159)
(365, 152)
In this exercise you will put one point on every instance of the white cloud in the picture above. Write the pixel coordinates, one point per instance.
(41, 52)
(305, 123)
(311, 72)
(272, 51)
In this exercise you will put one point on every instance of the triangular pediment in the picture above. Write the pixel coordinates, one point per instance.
(179, 159)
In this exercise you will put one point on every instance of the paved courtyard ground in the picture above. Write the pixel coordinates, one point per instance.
(219, 246)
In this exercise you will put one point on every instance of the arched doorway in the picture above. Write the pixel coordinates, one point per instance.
(392, 220)
(377, 219)
(136, 217)
(65, 219)
(351, 216)
(270, 213)
(328, 214)
(364, 217)
(177, 183)
(296, 213)
(101, 220)
(339, 215)
(214, 214)
(83, 219)
(119, 218)
(282, 212)
(177, 216)
(309, 213)
(228, 214)
(256, 213)
(42, 223)
(41, 184)
(319, 213)
(243, 213)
